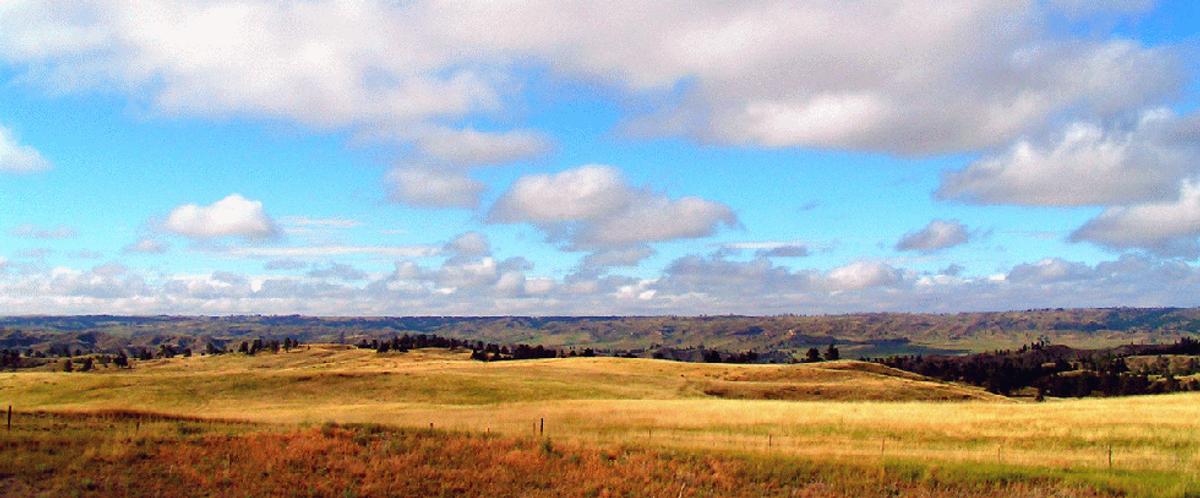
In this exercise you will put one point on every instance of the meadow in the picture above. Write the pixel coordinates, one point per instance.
(853, 427)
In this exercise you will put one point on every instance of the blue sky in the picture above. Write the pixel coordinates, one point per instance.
(537, 158)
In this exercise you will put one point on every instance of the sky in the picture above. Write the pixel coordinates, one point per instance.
(419, 157)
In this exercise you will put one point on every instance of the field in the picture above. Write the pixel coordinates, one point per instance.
(853, 427)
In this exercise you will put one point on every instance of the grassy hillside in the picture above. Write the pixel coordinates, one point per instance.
(309, 380)
(831, 413)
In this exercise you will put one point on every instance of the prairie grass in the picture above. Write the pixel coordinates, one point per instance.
(844, 413)
(157, 455)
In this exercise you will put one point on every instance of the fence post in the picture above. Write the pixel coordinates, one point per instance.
(542, 426)
(1110, 457)
(10, 417)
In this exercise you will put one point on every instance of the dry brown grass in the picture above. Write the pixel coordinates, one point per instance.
(54, 455)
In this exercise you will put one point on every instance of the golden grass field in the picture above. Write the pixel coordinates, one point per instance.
(840, 412)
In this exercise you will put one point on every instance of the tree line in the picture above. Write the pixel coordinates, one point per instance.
(1061, 371)
(479, 350)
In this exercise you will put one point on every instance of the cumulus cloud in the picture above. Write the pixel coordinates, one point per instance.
(937, 235)
(34, 232)
(1052, 270)
(862, 275)
(654, 218)
(17, 158)
(233, 216)
(430, 188)
(587, 192)
(1168, 228)
(324, 64)
(1086, 165)
(470, 244)
(894, 76)
(976, 75)
(594, 207)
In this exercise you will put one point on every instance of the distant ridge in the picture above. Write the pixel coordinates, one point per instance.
(857, 335)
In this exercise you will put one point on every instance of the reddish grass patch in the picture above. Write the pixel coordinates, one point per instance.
(369, 460)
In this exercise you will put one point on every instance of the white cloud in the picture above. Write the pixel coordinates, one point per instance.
(1054, 270)
(233, 216)
(470, 244)
(862, 275)
(973, 75)
(937, 235)
(899, 75)
(17, 158)
(33, 232)
(429, 188)
(655, 218)
(584, 193)
(325, 64)
(594, 207)
(1086, 165)
(1168, 228)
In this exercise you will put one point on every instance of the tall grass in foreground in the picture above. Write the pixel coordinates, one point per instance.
(1159, 433)
(150, 455)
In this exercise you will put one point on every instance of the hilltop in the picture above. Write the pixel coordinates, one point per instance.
(315, 379)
